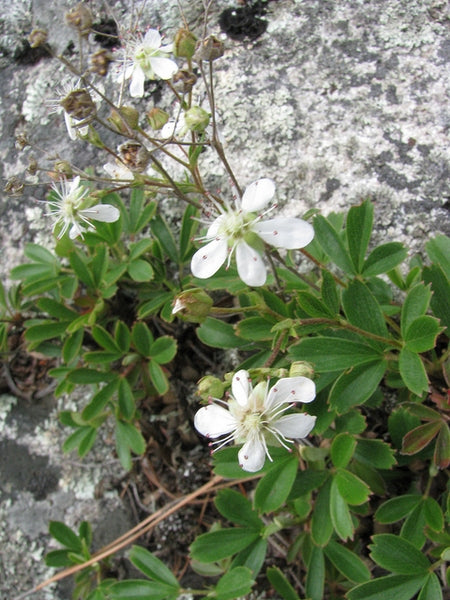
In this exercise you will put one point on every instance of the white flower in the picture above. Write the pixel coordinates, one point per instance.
(242, 230)
(256, 416)
(68, 212)
(145, 58)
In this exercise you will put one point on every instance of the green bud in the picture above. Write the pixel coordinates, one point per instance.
(157, 118)
(210, 386)
(184, 43)
(64, 168)
(124, 119)
(301, 368)
(192, 305)
(197, 119)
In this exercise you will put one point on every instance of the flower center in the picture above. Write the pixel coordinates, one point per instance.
(142, 57)
(234, 225)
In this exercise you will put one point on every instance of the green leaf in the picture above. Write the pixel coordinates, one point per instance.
(152, 567)
(142, 338)
(252, 556)
(104, 339)
(151, 306)
(45, 330)
(352, 488)
(421, 334)
(58, 558)
(158, 377)
(374, 453)
(255, 329)
(313, 306)
(281, 584)
(384, 258)
(72, 346)
(340, 514)
(127, 404)
(329, 293)
(347, 562)
(420, 437)
(216, 545)
(438, 250)
(315, 575)
(87, 441)
(164, 236)
(398, 508)
(321, 524)
(236, 508)
(122, 336)
(218, 334)
(329, 354)
(413, 372)
(65, 536)
(78, 262)
(356, 386)
(362, 309)
(415, 305)
(342, 449)
(39, 254)
(84, 376)
(139, 248)
(413, 528)
(188, 227)
(128, 437)
(432, 590)
(140, 270)
(80, 437)
(33, 272)
(163, 349)
(358, 230)
(307, 481)
(56, 309)
(99, 400)
(441, 456)
(398, 555)
(139, 589)
(440, 286)
(400, 587)
(234, 584)
(273, 489)
(331, 242)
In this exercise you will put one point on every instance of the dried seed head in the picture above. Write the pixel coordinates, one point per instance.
(124, 119)
(208, 49)
(134, 155)
(80, 18)
(79, 105)
(32, 166)
(14, 186)
(62, 168)
(38, 37)
(157, 118)
(184, 81)
(100, 62)
(22, 140)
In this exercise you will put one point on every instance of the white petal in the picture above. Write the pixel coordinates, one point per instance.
(152, 39)
(75, 231)
(294, 426)
(165, 68)
(214, 421)
(213, 229)
(102, 212)
(250, 265)
(70, 128)
(209, 259)
(252, 455)
(241, 387)
(283, 232)
(258, 194)
(291, 389)
(137, 83)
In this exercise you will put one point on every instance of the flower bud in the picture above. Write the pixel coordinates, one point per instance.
(210, 386)
(134, 156)
(192, 305)
(62, 167)
(157, 118)
(184, 43)
(130, 115)
(80, 18)
(100, 62)
(79, 105)
(301, 368)
(184, 80)
(208, 49)
(197, 119)
(38, 37)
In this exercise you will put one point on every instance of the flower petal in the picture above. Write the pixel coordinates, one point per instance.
(102, 212)
(209, 259)
(283, 232)
(258, 194)
(165, 68)
(70, 128)
(294, 426)
(250, 265)
(137, 83)
(214, 421)
(252, 455)
(152, 39)
(241, 387)
(291, 389)
(74, 232)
